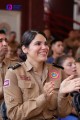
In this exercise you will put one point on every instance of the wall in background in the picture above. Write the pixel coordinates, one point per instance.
(32, 11)
(58, 12)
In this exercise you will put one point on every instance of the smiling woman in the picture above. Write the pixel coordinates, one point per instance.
(35, 83)
(38, 49)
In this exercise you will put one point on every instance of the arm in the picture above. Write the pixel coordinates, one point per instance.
(53, 101)
(1, 87)
(1, 92)
(64, 105)
(64, 99)
(16, 108)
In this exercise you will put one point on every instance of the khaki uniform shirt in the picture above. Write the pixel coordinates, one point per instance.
(14, 44)
(3, 68)
(23, 92)
(12, 61)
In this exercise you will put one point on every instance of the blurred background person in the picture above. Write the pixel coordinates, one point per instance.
(69, 65)
(12, 39)
(68, 51)
(77, 55)
(57, 49)
(3, 64)
(73, 41)
(12, 56)
(78, 66)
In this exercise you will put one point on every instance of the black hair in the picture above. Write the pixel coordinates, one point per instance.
(55, 40)
(28, 36)
(2, 32)
(60, 60)
(12, 32)
(22, 56)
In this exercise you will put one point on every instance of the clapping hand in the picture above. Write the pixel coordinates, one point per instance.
(69, 85)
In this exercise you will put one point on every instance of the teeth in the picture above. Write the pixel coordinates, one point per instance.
(43, 53)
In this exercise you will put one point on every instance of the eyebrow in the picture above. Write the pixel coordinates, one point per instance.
(3, 38)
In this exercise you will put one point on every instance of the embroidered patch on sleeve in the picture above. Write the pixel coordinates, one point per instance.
(23, 77)
(54, 74)
(6, 83)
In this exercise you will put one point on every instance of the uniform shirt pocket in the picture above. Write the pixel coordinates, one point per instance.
(28, 85)
(28, 89)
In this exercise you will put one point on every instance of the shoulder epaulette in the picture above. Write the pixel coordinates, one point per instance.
(57, 66)
(14, 66)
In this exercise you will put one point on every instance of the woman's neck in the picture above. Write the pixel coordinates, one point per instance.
(37, 65)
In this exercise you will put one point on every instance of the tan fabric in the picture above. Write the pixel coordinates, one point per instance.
(64, 105)
(3, 68)
(23, 92)
(11, 61)
(1, 117)
(13, 44)
(69, 42)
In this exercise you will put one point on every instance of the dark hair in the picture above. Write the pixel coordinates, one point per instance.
(22, 56)
(12, 32)
(56, 40)
(28, 36)
(60, 60)
(2, 32)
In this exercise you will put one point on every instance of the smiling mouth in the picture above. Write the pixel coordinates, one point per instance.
(44, 53)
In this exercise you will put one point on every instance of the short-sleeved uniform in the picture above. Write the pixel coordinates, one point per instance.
(23, 92)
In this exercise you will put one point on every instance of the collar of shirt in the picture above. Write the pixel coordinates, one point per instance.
(29, 66)
(4, 62)
(0, 65)
(13, 58)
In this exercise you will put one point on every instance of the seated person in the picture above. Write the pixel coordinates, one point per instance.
(69, 65)
(31, 88)
(56, 50)
(78, 66)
